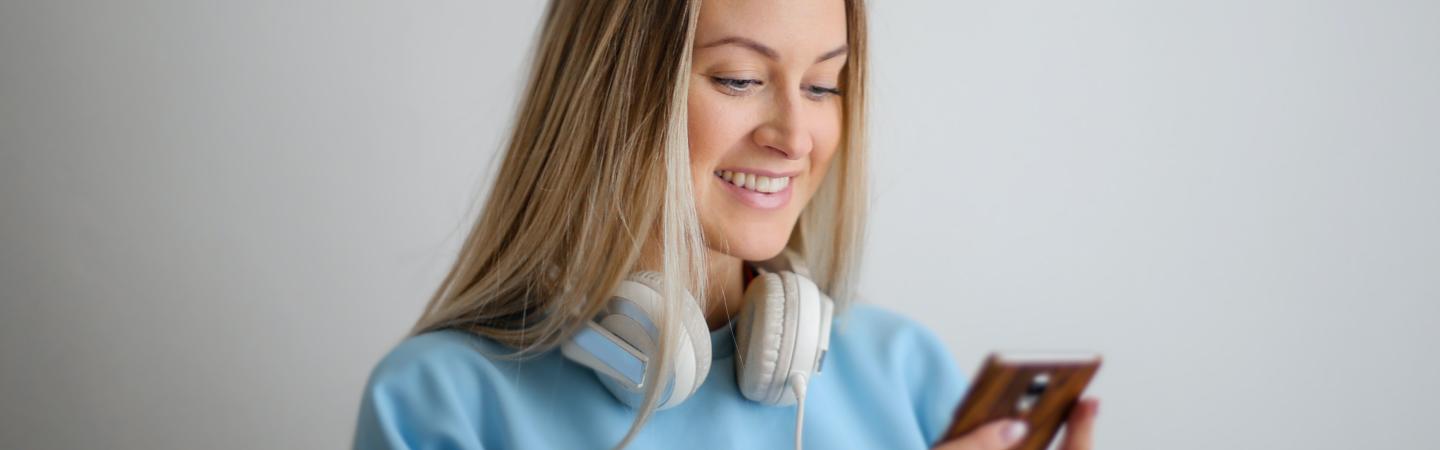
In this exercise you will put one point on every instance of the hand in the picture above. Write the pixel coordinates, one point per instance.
(1004, 434)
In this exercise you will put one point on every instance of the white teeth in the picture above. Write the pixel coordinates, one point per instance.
(757, 183)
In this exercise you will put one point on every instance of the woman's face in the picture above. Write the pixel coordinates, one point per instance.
(765, 116)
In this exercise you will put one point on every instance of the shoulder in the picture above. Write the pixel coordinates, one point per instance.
(455, 362)
(432, 388)
(880, 330)
(461, 363)
(435, 354)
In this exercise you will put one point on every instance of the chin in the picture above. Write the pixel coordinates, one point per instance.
(753, 242)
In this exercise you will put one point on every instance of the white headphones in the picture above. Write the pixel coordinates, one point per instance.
(783, 333)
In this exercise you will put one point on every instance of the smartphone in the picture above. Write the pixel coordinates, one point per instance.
(1039, 388)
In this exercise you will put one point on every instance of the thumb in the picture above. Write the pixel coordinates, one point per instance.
(997, 435)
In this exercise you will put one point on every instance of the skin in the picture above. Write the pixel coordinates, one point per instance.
(762, 96)
(750, 110)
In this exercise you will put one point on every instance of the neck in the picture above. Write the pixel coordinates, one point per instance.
(724, 281)
(725, 288)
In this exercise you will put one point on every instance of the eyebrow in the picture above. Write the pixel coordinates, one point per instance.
(767, 51)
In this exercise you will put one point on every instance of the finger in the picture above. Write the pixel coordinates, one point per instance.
(1080, 426)
(997, 435)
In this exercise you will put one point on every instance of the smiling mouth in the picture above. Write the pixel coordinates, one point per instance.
(753, 182)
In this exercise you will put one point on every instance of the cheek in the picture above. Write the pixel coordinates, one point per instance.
(714, 129)
(826, 134)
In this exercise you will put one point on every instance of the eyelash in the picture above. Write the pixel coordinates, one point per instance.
(738, 86)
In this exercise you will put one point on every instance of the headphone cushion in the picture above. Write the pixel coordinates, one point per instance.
(760, 333)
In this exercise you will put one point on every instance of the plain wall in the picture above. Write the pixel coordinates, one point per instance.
(216, 216)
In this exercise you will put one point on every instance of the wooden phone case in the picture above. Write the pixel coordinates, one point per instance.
(998, 392)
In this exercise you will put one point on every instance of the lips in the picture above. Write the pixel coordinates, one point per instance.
(763, 192)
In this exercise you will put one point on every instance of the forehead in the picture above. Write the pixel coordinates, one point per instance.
(794, 28)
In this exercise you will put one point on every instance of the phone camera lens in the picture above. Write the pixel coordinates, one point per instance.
(1038, 384)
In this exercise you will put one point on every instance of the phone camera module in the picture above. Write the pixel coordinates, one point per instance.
(1033, 392)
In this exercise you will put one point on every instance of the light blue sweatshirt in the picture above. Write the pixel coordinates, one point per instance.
(887, 383)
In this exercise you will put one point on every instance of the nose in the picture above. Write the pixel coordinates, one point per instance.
(785, 131)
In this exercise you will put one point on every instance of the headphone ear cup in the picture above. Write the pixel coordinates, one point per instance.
(633, 315)
(782, 331)
(808, 338)
(760, 335)
(691, 353)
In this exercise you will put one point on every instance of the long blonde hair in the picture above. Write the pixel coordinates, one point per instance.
(598, 164)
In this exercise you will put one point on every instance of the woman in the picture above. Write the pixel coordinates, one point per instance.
(673, 165)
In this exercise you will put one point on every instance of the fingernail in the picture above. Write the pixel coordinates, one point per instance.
(1013, 432)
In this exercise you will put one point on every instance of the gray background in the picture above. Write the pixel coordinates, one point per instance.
(216, 216)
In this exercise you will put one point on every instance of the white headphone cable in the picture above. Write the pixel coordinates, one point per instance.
(797, 383)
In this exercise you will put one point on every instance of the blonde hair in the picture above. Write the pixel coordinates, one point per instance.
(598, 164)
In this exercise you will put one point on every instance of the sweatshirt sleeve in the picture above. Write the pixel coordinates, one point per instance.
(936, 382)
(415, 400)
(917, 368)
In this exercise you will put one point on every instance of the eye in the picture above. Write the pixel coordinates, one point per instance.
(736, 86)
(820, 92)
